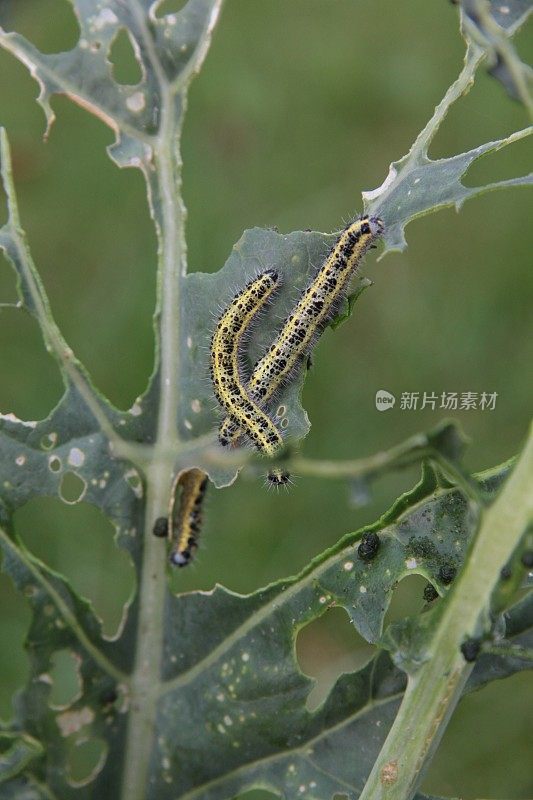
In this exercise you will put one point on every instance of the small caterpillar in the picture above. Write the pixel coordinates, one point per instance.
(309, 317)
(186, 530)
(277, 477)
(226, 343)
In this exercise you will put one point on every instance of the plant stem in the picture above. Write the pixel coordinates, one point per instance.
(168, 212)
(147, 671)
(159, 471)
(434, 690)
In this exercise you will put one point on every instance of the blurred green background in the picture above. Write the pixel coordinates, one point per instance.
(299, 107)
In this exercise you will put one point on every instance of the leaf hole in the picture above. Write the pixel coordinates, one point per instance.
(327, 648)
(126, 69)
(15, 621)
(257, 794)
(85, 760)
(77, 541)
(500, 165)
(49, 440)
(72, 488)
(61, 31)
(170, 7)
(8, 282)
(281, 411)
(108, 250)
(54, 464)
(134, 480)
(34, 386)
(284, 423)
(66, 681)
(407, 599)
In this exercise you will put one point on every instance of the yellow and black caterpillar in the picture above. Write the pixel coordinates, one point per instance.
(230, 390)
(318, 303)
(187, 526)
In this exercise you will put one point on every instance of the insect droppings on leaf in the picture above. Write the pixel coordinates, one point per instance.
(369, 546)
(505, 573)
(447, 573)
(430, 593)
(470, 649)
(160, 527)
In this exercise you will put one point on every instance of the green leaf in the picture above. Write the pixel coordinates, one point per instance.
(231, 702)
(491, 26)
(16, 753)
(345, 314)
(169, 49)
(416, 184)
(200, 695)
(296, 257)
(25, 789)
(36, 456)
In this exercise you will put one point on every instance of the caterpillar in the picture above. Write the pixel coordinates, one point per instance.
(277, 477)
(316, 306)
(226, 342)
(186, 529)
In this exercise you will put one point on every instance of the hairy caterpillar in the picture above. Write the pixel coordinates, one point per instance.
(186, 529)
(226, 342)
(277, 477)
(317, 304)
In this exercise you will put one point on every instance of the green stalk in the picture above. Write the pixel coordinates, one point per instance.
(168, 212)
(159, 470)
(434, 690)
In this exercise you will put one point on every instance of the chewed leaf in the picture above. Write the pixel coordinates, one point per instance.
(492, 26)
(62, 621)
(231, 708)
(169, 50)
(229, 668)
(200, 695)
(346, 311)
(24, 789)
(239, 684)
(508, 15)
(16, 752)
(296, 257)
(36, 456)
(416, 184)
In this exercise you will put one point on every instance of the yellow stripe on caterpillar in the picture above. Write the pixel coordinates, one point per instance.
(316, 306)
(226, 345)
(187, 526)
